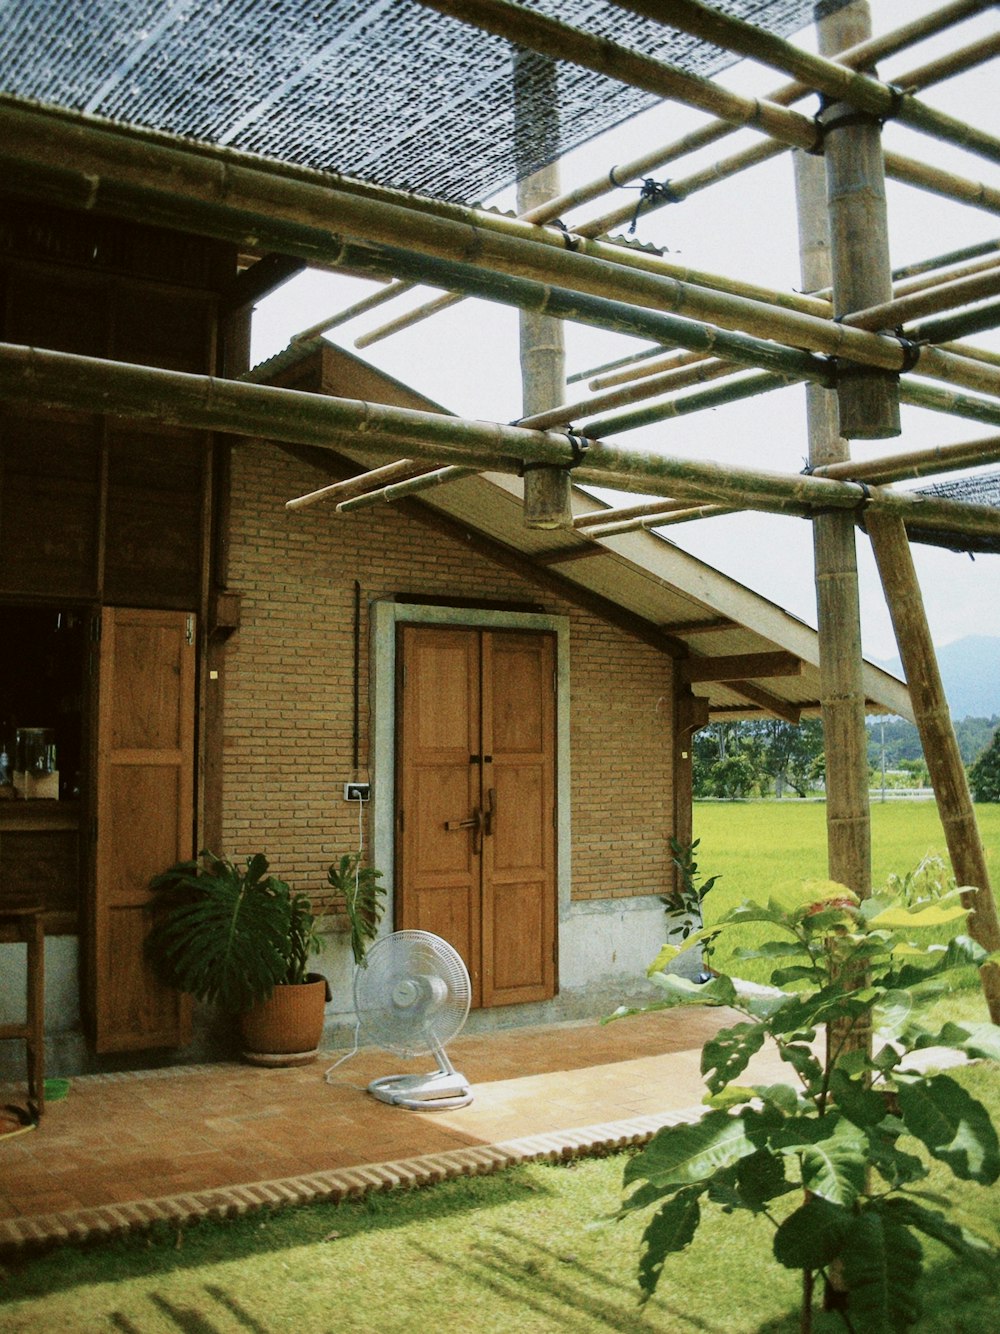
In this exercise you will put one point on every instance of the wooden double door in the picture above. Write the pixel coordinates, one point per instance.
(476, 802)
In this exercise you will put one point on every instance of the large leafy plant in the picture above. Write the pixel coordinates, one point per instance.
(685, 902)
(228, 934)
(361, 892)
(852, 1129)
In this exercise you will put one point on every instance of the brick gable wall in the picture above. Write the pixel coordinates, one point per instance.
(289, 690)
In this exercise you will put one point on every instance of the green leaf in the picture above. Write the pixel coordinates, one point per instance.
(959, 1240)
(934, 914)
(691, 1153)
(960, 952)
(834, 1168)
(761, 1177)
(858, 1103)
(727, 1055)
(892, 1012)
(671, 1229)
(682, 991)
(733, 1095)
(832, 1154)
(782, 1096)
(978, 1040)
(866, 1275)
(774, 949)
(892, 1164)
(954, 1126)
(882, 1265)
(811, 1236)
(801, 1059)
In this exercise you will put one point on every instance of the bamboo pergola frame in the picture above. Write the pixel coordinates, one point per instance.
(861, 338)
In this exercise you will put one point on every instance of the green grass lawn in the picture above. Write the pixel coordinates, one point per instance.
(529, 1250)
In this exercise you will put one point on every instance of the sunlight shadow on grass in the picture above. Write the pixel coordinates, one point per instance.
(512, 1278)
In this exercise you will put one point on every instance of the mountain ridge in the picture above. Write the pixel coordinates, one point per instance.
(970, 671)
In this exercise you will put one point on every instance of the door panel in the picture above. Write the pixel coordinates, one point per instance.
(475, 803)
(518, 901)
(145, 819)
(438, 875)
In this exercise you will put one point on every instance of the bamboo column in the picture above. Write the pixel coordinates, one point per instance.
(837, 599)
(937, 736)
(543, 346)
(868, 401)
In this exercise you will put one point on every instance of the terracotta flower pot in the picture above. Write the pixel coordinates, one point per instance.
(286, 1028)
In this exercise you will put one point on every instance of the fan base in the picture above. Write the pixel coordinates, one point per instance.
(437, 1092)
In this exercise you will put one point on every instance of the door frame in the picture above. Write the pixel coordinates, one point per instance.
(385, 616)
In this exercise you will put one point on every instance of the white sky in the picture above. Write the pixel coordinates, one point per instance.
(467, 358)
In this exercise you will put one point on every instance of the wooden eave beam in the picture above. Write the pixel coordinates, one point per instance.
(766, 700)
(740, 667)
(258, 280)
(714, 626)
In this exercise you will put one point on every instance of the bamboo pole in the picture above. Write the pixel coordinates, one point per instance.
(360, 485)
(944, 183)
(655, 359)
(945, 400)
(734, 391)
(848, 821)
(959, 324)
(547, 501)
(861, 91)
(868, 403)
(928, 280)
(901, 310)
(693, 304)
(684, 514)
(987, 248)
(706, 368)
(967, 58)
(560, 41)
(300, 215)
(71, 382)
(389, 292)
(413, 486)
(915, 463)
(937, 737)
(627, 512)
(863, 53)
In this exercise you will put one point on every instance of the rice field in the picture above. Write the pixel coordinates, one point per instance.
(759, 846)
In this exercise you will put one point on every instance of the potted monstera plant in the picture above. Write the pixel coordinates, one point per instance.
(237, 937)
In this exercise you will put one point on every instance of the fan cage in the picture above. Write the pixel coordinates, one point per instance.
(397, 959)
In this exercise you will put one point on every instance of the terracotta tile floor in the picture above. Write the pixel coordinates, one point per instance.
(122, 1150)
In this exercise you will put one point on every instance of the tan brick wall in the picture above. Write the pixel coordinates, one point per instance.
(289, 686)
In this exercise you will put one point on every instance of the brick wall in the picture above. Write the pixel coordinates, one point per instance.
(289, 689)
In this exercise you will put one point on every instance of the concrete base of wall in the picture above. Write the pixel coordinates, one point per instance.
(605, 947)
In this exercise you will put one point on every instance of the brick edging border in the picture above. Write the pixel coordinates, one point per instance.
(101, 1222)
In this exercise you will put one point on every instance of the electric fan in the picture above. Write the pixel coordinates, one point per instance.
(412, 998)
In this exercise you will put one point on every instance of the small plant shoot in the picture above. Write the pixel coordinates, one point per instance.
(853, 1129)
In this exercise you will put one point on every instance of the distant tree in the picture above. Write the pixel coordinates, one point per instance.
(984, 776)
(731, 778)
(792, 753)
(736, 759)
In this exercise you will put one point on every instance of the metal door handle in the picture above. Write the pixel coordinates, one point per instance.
(477, 823)
(491, 809)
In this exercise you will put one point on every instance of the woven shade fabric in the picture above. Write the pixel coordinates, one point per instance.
(385, 90)
(979, 489)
